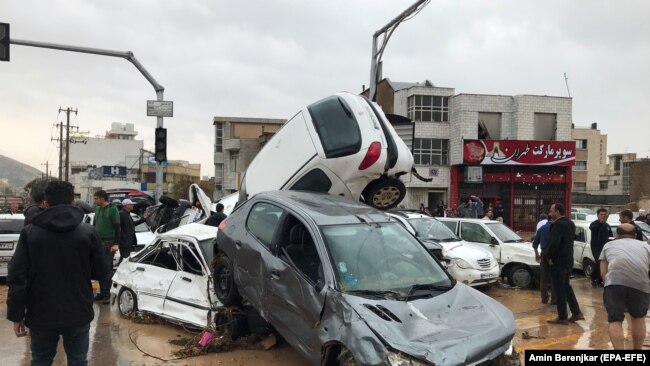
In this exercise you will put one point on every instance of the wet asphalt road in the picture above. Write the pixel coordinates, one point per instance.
(114, 339)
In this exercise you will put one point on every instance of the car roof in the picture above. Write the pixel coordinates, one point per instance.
(199, 231)
(326, 209)
(16, 216)
(467, 219)
(408, 214)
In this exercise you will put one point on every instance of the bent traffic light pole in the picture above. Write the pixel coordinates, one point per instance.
(128, 55)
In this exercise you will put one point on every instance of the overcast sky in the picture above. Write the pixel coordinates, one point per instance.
(270, 58)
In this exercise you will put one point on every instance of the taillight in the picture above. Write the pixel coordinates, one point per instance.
(222, 224)
(374, 151)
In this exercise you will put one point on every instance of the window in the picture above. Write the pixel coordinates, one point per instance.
(489, 126)
(580, 235)
(161, 256)
(314, 181)
(626, 177)
(189, 259)
(545, 125)
(431, 151)
(218, 177)
(581, 144)
(579, 186)
(428, 108)
(336, 126)
(297, 247)
(218, 137)
(580, 165)
(473, 174)
(475, 233)
(262, 222)
(603, 184)
(234, 157)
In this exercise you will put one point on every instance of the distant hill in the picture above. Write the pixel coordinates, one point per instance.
(17, 173)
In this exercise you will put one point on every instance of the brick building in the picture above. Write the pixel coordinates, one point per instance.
(494, 146)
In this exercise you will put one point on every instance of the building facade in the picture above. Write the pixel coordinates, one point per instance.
(591, 159)
(174, 172)
(513, 150)
(237, 141)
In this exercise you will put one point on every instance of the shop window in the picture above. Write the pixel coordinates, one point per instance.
(489, 126)
(428, 108)
(545, 126)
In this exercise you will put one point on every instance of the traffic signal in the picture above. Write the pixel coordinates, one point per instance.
(161, 145)
(4, 41)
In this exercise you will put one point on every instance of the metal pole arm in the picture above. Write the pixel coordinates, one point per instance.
(128, 55)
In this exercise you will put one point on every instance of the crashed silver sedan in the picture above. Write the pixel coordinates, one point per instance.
(343, 282)
(170, 278)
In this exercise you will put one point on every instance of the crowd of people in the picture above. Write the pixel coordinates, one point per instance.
(471, 207)
(622, 268)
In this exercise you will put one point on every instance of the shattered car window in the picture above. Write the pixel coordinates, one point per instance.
(380, 257)
(160, 256)
(426, 228)
(504, 233)
(189, 259)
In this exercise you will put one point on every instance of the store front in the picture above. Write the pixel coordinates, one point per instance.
(523, 178)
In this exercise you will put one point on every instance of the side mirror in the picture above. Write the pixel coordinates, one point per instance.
(493, 241)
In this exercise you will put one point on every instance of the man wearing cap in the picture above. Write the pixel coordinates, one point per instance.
(128, 239)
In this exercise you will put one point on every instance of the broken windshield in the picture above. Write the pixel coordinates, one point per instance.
(380, 258)
(432, 229)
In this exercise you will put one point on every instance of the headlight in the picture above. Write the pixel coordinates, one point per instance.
(399, 359)
(462, 263)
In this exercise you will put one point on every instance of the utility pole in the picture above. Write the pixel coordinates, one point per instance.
(67, 139)
(47, 170)
(60, 140)
(387, 31)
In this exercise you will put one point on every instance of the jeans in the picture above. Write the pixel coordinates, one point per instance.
(564, 294)
(75, 343)
(105, 283)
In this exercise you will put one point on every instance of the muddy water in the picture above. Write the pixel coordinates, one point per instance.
(117, 341)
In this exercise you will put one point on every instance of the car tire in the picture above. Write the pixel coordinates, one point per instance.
(384, 193)
(224, 282)
(588, 267)
(127, 302)
(520, 276)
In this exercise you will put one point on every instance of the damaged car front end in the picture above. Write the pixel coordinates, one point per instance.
(345, 284)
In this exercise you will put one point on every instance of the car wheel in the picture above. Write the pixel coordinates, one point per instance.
(224, 282)
(588, 267)
(384, 193)
(520, 276)
(127, 302)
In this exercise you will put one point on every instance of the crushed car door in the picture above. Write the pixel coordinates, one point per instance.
(188, 296)
(293, 302)
(152, 277)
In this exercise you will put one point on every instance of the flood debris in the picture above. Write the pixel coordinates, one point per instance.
(513, 359)
(527, 335)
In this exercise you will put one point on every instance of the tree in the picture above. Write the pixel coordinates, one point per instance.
(35, 186)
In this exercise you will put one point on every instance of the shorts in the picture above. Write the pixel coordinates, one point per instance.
(620, 299)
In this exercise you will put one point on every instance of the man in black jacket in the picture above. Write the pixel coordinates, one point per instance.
(216, 218)
(600, 234)
(626, 217)
(560, 260)
(49, 279)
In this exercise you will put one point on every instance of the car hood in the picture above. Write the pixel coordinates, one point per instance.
(461, 326)
(466, 252)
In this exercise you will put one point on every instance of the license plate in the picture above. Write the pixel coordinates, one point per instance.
(485, 276)
(6, 246)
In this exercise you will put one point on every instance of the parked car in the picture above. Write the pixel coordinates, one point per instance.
(342, 145)
(170, 278)
(10, 227)
(469, 265)
(171, 213)
(336, 277)
(583, 259)
(645, 228)
(515, 255)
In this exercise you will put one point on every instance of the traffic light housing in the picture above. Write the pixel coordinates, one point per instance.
(160, 153)
(4, 41)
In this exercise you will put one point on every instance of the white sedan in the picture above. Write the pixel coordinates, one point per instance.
(10, 227)
(170, 278)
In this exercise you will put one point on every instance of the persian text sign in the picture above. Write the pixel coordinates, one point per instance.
(519, 152)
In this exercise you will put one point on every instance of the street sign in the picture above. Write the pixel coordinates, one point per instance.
(156, 108)
(4, 42)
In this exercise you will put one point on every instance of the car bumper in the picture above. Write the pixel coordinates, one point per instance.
(474, 277)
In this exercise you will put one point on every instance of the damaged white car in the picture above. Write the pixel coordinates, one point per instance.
(345, 284)
(343, 145)
(170, 278)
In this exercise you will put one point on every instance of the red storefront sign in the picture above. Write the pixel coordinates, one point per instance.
(519, 152)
